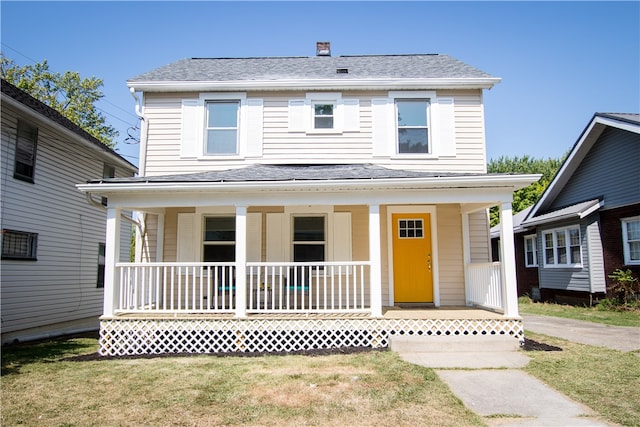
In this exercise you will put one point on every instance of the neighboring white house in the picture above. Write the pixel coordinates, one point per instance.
(295, 202)
(53, 240)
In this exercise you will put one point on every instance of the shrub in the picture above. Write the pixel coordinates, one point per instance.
(625, 286)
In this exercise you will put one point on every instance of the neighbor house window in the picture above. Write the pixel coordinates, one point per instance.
(631, 240)
(25, 155)
(19, 245)
(323, 115)
(413, 126)
(101, 256)
(530, 251)
(222, 127)
(108, 171)
(309, 238)
(562, 247)
(219, 239)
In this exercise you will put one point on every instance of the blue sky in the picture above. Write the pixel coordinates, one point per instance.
(560, 62)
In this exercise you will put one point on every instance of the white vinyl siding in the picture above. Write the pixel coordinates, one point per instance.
(366, 137)
(59, 288)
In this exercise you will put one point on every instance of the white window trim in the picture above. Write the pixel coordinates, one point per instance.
(346, 113)
(428, 95)
(535, 250)
(555, 246)
(625, 241)
(334, 98)
(241, 148)
(324, 242)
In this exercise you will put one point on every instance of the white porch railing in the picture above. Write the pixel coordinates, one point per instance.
(340, 287)
(484, 285)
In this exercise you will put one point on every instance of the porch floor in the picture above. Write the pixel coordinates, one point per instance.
(449, 312)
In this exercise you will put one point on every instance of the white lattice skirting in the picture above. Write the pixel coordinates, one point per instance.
(119, 337)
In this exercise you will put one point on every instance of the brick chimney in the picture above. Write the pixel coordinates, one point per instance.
(323, 49)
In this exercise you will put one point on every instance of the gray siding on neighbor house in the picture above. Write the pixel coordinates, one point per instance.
(575, 279)
(609, 170)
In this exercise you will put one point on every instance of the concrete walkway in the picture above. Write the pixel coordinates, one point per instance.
(622, 338)
(485, 376)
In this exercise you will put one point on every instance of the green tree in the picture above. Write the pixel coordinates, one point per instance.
(527, 196)
(70, 94)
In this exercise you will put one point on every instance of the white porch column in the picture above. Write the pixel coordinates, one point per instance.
(241, 261)
(466, 252)
(508, 262)
(111, 257)
(375, 260)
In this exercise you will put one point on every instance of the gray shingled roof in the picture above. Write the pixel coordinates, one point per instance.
(285, 173)
(314, 67)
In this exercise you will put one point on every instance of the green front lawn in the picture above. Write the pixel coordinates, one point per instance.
(591, 314)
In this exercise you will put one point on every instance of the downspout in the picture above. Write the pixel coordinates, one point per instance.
(99, 205)
(143, 134)
(142, 163)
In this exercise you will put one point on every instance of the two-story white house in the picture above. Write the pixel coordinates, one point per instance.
(308, 202)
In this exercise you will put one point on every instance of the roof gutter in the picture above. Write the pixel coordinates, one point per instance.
(513, 182)
(314, 84)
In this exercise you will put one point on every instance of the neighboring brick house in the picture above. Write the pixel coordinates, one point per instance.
(304, 202)
(53, 241)
(587, 222)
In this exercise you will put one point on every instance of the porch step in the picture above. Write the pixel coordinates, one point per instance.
(470, 352)
(450, 343)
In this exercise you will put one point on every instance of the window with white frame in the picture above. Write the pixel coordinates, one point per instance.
(562, 247)
(221, 132)
(530, 251)
(412, 126)
(309, 239)
(19, 245)
(631, 240)
(101, 264)
(219, 239)
(25, 154)
(323, 114)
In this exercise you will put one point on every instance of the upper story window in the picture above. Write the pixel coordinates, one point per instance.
(222, 127)
(530, 251)
(412, 124)
(562, 247)
(323, 115)
(25, 155)
(19, 245)
(631, 240)
(416, 124)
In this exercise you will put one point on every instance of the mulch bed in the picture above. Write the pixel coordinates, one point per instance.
(529, 345)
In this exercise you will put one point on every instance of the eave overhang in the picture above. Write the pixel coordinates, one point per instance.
(507, 182)
(314, 84)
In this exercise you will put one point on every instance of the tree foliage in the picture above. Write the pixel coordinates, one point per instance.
(527, 196)
(70, 94)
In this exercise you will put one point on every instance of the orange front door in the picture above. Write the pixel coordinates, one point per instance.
(412, 258)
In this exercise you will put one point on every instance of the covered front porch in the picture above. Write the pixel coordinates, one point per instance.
(303, 261)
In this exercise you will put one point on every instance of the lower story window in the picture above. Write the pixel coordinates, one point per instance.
(562, 247)
(631, 240)
(530, 251)
(19, 245)
(219, 239)
(308, 239)
(101, 256)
